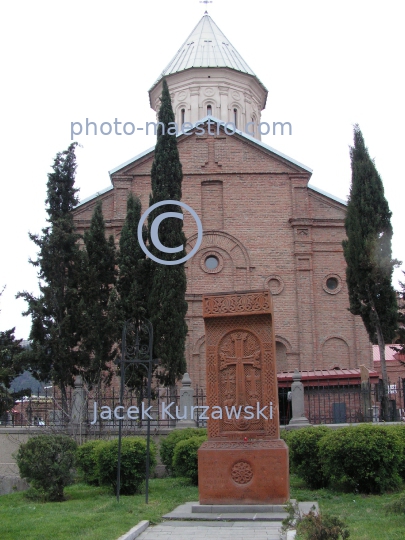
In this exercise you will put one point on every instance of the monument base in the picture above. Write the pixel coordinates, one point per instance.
(239, 472)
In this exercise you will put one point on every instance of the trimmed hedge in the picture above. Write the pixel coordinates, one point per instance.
(168, 444)
(86, 462)
(133, 463)
(305, 459)
(362, 459)
(185, 458)
(46, 462)
(399, 431)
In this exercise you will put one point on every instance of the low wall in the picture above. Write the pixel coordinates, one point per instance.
(12, 437)
(338, 426)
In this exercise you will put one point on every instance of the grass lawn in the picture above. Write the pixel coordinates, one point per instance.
(94, 514)
(90, 513)
(364, 514)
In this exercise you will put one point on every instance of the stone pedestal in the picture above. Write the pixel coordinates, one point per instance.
(244, 461)
(252, 472)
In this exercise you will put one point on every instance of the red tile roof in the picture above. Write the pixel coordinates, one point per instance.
(327, 376)
(390, 354)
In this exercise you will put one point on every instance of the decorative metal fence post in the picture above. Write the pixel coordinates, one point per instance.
(137, 347)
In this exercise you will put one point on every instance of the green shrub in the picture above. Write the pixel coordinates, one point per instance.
(185, 458)
(304, 454)
(168, 444)
(362, 459)
(133, 463)
(46, 462)
(400, 432)
(314, 526)
(86, 462)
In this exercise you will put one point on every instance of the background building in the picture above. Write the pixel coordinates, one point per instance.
(264, 227)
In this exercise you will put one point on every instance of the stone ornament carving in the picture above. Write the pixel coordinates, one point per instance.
(242, 472)
(236, 95)
(209, 92)
(181, 95)
(240, 374)
(249, 444)
(240, 304)
(240, 364)
(243, 461)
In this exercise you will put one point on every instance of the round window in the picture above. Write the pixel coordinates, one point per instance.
(211, 262)
(332, 283)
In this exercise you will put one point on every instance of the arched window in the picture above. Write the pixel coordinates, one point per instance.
(235, 117)
(183, 116)
(209, 110)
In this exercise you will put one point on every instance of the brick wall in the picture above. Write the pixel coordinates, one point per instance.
(267, 229)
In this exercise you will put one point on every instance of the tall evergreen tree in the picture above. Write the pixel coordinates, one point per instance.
(167, 305)
(10, 367)
(133, 281)
(401, 319)
(98, 302)
(54, 353)
(367, 251)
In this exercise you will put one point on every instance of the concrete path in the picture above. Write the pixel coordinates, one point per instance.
(212, 530)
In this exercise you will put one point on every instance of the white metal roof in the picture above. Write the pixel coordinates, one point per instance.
(95, 195)
(329, 195)
(206, 46)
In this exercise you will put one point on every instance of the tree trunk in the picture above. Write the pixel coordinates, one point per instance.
(384, 399)
(65, 409)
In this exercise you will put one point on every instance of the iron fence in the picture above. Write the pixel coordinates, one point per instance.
(325, 403)
(344, 402)
(49, 409)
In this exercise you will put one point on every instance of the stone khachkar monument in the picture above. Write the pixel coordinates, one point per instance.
(244, 461)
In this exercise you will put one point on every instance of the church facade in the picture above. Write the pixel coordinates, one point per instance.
(264, 227)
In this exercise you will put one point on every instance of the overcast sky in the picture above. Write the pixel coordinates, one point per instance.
(327, 65)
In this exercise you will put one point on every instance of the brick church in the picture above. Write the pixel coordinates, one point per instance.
(264, 227)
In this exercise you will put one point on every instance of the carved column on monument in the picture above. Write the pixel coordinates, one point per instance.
(186, 402)
(297, 402)
(244, 461)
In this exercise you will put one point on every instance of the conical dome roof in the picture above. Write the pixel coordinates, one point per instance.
(206, 46)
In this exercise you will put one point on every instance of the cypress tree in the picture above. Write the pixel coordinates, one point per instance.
(54, 353)
(367, 251)
(167, 305)
(98, 301)
(10, 367)
(401, 319)
(133, 282)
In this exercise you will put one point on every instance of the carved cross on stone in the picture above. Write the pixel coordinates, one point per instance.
(239, 360)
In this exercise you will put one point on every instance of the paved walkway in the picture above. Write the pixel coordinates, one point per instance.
(212, 530)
